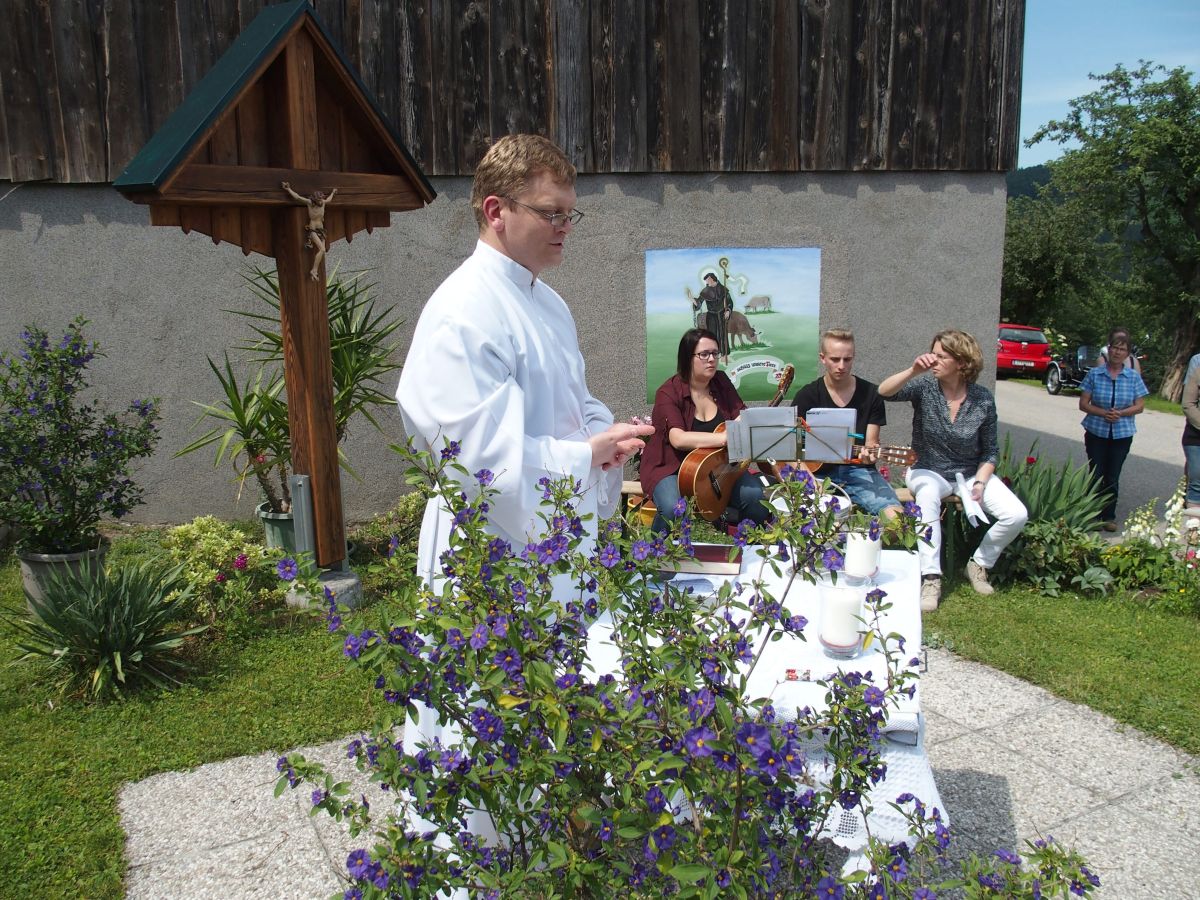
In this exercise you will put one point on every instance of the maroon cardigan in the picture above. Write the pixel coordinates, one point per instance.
(673, 408)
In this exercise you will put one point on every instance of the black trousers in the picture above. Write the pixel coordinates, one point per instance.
(1106, 456)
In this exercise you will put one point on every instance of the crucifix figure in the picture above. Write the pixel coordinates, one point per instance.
(315, 229)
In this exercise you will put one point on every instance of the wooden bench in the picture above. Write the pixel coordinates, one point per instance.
(904, 495)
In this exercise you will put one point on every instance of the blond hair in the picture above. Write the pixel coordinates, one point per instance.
(511, 163)
(965, 350)
(835, 334)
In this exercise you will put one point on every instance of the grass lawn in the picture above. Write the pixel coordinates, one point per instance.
(1120, 657)
(63, 763)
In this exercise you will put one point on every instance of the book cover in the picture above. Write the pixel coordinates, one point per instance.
(710, 559)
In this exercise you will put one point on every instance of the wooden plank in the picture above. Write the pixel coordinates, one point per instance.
(833, 90)
(28, 131)
(304, 326)
(211, 185)
(658, 124)
(1008, 128)
(518, 71)
(779, 39)
(931, 75)
(957, 67)
(870, 86)
(414, 116)
(809, 68)
(571, 84)
(156, 27)
(126, 123)
(256, 231)
(902, 107)
(683, 103)
(164, 214)
(473, 110)
(629, 111)
(223, 151)
(196, 218)
(978, 143)
(78, 57)
(600, 51)
(5, 160)
(444, 88)
(722, 84)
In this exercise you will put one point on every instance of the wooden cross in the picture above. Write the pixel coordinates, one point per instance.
(283, 105)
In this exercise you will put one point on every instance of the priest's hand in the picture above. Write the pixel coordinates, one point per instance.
(617, 443)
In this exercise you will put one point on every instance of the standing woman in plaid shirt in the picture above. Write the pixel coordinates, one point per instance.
(1111, 395)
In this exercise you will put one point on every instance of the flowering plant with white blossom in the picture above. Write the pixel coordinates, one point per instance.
(655, 776)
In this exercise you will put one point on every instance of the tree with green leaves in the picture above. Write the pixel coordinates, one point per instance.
(1137, 168)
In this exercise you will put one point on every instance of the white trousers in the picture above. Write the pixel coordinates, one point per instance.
(1007, 512)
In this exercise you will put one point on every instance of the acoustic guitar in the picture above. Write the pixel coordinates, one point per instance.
(709, 476)
(900, 456)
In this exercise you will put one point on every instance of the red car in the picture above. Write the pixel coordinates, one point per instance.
(1021, 350)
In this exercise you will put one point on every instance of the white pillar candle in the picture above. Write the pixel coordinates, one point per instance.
(841, 610)
(862, 554)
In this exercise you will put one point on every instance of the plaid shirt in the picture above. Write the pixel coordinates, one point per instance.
(1109, 393)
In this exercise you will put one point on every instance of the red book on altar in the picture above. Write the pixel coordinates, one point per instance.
(710, 559)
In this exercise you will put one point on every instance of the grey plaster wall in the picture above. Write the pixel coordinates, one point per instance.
(902, 256)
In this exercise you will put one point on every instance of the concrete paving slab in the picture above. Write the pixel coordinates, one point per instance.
(990, 790)
(975, 696)
(286, 864)
(1089, 748)
(198, 810)
(939, 728)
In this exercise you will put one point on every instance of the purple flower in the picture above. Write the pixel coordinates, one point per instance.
(873, 530)
(754, 737)
(352, 893)
(451, 450)
(357, 863)
(664, 837)
(680, 507)
(873, 696)
(924, 894)
(897, 869)
(509, 660)
(479, 637)
(287, 568)
(378, 876)
(455, 639)
(655, 801)
(606, 829)
(832, 559)
(240, 562)
(697, 741)
(609, 556)
(640, 550)
(487, 724)
(828, 887)
(484, 477)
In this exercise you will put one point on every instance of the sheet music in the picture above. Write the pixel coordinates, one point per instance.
(762, 432)
(828, 438)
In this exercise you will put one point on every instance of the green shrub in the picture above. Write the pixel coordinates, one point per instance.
(1053, 555)
(388, 544)
(106, 631)
(230, 575)
(1066, 494)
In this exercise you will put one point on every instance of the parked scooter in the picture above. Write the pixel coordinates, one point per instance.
(1064, 372)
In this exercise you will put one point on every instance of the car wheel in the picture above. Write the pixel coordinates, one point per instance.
(1053, 380)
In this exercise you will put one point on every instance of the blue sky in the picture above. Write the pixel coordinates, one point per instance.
(1067, 39)
(790, 276)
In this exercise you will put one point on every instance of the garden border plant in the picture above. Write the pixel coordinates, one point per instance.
(666, 779)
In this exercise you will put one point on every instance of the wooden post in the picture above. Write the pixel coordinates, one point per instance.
(303, 308)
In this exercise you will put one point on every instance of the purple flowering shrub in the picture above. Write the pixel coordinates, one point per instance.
(651, 774)
(64, 461)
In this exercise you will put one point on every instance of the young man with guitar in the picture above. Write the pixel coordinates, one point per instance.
(840, 388)
(689, 409)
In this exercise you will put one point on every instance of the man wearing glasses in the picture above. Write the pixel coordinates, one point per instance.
(495, 365)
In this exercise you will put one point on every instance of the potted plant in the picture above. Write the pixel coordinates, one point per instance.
(64, 461)
(251, 420)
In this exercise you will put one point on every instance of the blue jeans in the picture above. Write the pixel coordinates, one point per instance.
(1191, 453)
(865, 487)
(746, 503)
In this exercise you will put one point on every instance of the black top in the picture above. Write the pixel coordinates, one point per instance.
(865, 401)
(710, 426)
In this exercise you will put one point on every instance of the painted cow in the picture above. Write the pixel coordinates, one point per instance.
(759, 303)
(738, 326)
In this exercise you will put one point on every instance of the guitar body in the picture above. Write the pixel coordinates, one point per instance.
(707, 475)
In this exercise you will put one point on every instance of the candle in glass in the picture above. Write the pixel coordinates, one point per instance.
(841, 625)
(862, 554)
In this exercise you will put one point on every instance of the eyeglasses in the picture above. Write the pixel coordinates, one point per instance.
(707, 354)
(556, 219)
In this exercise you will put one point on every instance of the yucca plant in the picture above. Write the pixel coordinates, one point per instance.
(251, 420)
(104, 632)
(1065, 494)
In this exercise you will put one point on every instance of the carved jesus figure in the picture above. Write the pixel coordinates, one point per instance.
(315, 229)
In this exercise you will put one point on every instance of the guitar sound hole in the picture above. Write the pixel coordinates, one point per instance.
(716, 485)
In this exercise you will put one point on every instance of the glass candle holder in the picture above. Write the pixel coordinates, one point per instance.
(841, 629)
(862, 554)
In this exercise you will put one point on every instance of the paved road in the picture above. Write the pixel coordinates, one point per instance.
(1155, 463)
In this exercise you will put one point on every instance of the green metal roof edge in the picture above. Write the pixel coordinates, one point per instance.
(171, 143)
(174, 140)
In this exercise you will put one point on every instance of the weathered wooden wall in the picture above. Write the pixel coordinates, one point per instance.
(622, 85)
